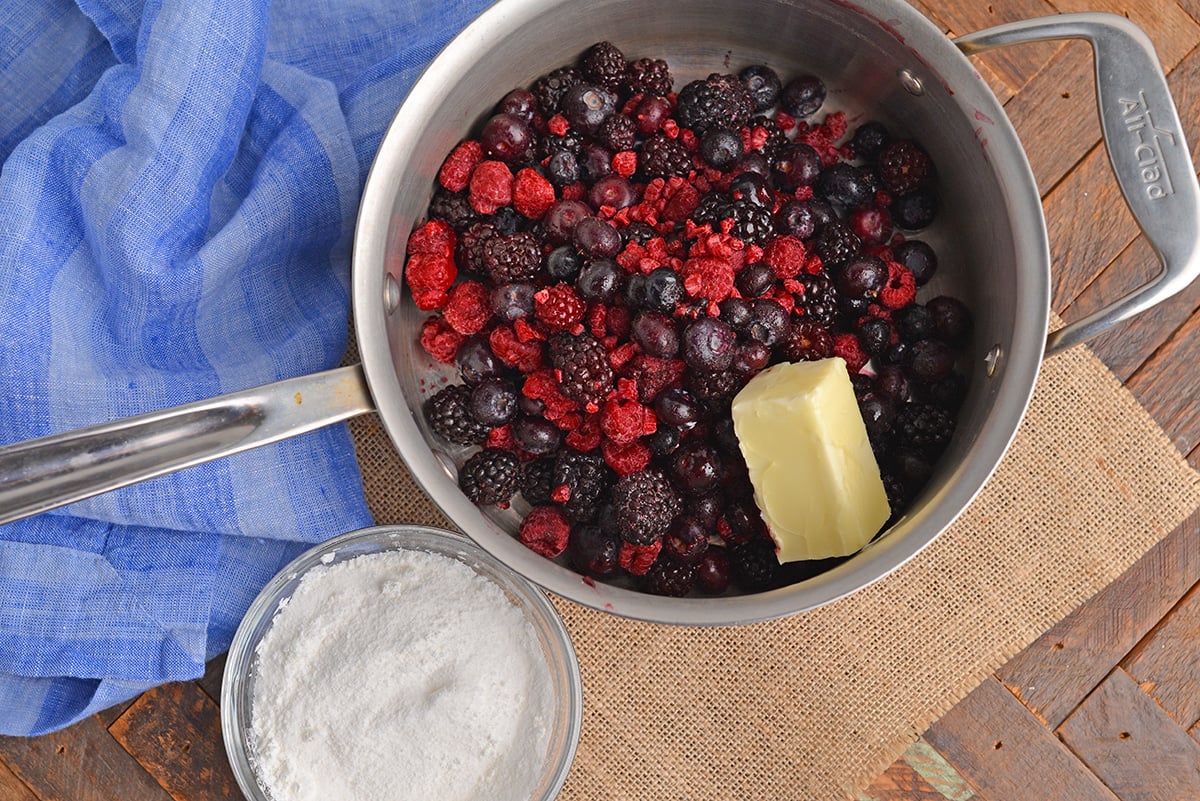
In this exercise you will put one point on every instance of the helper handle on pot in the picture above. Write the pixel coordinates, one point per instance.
(1145, 144)
(49, 472)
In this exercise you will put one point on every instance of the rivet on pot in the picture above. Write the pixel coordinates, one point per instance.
(992, 359)
(910, 82)
(391, 293)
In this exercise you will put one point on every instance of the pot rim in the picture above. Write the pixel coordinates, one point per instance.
(1014, 373)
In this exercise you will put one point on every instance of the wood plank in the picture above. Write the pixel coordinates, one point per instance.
(80, 763)
(210, 682)
(1173, 32)
(997, 745)
(1012, 65)
(1166, 386)
(174, 731)
(12, 788)
(1132, 745)
(1057, 671)
(901, 782)
(1061, 97)
(1166, 664)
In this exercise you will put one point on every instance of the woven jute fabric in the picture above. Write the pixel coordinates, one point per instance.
(816, 705)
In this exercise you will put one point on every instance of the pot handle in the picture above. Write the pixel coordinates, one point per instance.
(52, 471)
(1145, 145)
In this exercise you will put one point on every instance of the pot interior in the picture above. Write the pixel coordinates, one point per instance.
(880, 61)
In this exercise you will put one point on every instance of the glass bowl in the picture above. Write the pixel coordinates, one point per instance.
(237, 689)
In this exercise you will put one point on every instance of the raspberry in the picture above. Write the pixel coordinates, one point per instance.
(583, 478)
(524, 356)
(785, 255)
(434, 237)
(467, 309)
(708, 278)
(583, 363)
(625, 421)
(651, 375)
(512, 258)
(491, 476)
(637, 559)
(533, 195)
(542, 386)
(545, 530)
(449, 418)
(901, 287)
(455, 173)
(491, 186)
(429, 276)
(625, 163)
(807, 341)
(586, 436)
(670, 577)
(559, 308)
(440, 340)
(644, 504)
(850, 350)
(651, 76)
(626, 459)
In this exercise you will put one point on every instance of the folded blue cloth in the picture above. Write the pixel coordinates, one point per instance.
(177, 199)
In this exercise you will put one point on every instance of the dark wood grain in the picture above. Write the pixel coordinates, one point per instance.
(1058, 670)
(12, 788)
(998, 745)
(1166, 664)
(210, 682)
(1132, 745)
(79, 763)
(901, 782)
(1166, 385)
(170, 732)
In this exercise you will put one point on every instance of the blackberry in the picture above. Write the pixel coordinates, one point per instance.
(753, 564)
(617, 133)
(593, 551)
(511, 258)
(776, 139)
(468, 250)
(650, 76)
(452, 207)
(448, 413)
(717, 100)
(663, 157)
(550, 88)
(836, 244)
(538, 481)
(570, 142)
(490, 476)
(645, 504)
(904, 166)
(586, 476)
(924, 427)
(670, 577)
(714, 390)
(752, 222)
(587, 375)
(604, 64)
(820, 299)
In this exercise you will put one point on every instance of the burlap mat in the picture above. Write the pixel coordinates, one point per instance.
(817, 705)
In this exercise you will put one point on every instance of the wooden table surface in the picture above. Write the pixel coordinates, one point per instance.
(1104, 706)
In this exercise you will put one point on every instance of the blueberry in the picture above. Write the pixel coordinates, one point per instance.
(614, 191)
(562, 169)
(586, 106)
(869, 139)
(802, 96)
(874, 335)
(708, 344)
(891, 383)
(686, 539)
(847, 185)
(663, 441)
(951, 319)
(664, 289)
(751, 357)
(520, 103)
(712, 572)
(878, 414)
(918, 257)
(736, 312)
(914, 322)
(754, 279)
(930, 360)
(475, 360)
(764, 85)
(595, 162)
(563, 263)
(677, 408)
(799, 165)
(512, 301)
(862, 277)
(508, 138)
(696, 468)
(721, 147)
(594, 551)
(753, 187)
(596, 238)
(561, 218)
(635, 291)
(493, 402)
(915, 210)
(797, 218)
(599, 281)
(656, 333)
(650, 114)
(768, 321)
(536, 435)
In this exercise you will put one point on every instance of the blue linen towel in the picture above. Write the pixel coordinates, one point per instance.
(178, 191)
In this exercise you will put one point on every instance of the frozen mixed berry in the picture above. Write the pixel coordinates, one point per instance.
(663, 157)
(686, 539)
(650, 76)
(617, 133)
(560, 220)
(708, 344)
(869, 140)
(903, 166)
(644, 504)
(916, 210)
(604, 63)
(719, 99)
(663, 289)
(768, 321)
(449, 415)
(951, 318)
(714, 390)
(670, 578)
(537, 481)
(550, 88)
(677, 408)
(914, 322)
(803, 95)
(545, 530)
(596, 239)
(453, 207)
(713, 572)
(918, 257)
(582, 360)
(651, 113)
(846, 185)
(493, 402)
(753, 565)
(614, 191)
(563, 263)
(763, 84)
(580, 481)
(752, 187)
(491, 476)
(820, 302)
(512, 258)
(924, 427)
(594, 551)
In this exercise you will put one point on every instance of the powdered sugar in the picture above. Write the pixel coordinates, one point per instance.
(396, 675)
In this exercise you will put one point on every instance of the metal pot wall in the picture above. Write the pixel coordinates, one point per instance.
(880, 60)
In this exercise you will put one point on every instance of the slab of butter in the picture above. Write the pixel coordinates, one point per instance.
(815, 477)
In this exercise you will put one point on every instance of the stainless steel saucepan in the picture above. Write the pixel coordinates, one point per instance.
(881, 60)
